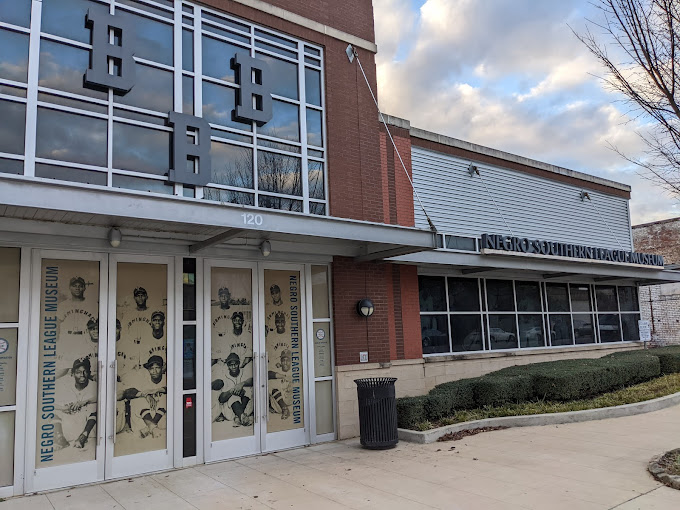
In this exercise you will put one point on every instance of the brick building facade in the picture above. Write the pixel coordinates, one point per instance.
(253, 265)
(660, 304)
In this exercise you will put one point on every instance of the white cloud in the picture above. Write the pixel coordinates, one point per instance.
(512, 76)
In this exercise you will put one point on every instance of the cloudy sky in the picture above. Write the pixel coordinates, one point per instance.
(510, 74)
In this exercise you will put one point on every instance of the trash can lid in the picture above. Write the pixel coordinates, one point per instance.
(375, 382)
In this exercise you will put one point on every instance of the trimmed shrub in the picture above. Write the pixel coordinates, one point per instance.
(669, 358)
(449, 397)
(410, 411)
(496, 390)
(577, 379)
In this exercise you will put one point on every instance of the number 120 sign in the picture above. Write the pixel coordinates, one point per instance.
(252, 219)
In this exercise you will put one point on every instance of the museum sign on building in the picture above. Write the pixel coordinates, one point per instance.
(194, 198)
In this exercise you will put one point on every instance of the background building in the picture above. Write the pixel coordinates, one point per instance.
(660, 304)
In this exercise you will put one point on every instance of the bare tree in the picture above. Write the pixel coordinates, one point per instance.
(645, 34)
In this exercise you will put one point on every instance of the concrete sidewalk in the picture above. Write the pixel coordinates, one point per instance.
(592, 465)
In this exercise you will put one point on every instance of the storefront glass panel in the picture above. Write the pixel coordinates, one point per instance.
(628, 299)
(528, 296)
(500, 296)
(10, 264)
(631, 331)
(466, 333)
(16, 12)
(141, 356)
(432, 293)
(14, 58)
(580, 298)
(284, 350)
(558, 297)
(502, 331)
(231, 334)
(324, 407)
(463, 295)
(531, 330)
(434, 333)
(13, 127)
(323, 366)
(6, 448)
(560, 329)
(606, 299)
(610, 330)
(68, 363)
(584, 331)
(8, 366)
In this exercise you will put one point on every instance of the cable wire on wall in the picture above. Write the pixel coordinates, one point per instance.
(351, 55)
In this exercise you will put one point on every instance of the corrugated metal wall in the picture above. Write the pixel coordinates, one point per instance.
(533, 206)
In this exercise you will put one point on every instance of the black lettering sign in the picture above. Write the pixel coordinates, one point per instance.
(111, 65)
(190, 150)
(254, 98)
(538, 246)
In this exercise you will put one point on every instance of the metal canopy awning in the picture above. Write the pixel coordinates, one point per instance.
(196, 224)
(489, 266)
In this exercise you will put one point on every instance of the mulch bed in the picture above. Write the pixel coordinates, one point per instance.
(457, 436)
(671, 462)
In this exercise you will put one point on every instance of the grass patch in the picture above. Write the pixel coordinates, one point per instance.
(659, 387)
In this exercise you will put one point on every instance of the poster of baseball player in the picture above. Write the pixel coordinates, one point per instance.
(68, 362)
(231, 381)
(284, 349)
(141, 355)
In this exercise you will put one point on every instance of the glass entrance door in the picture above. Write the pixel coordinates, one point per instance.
(68, 356)
(140, 425)
(99, 351)
(254, 387)
(284, 356)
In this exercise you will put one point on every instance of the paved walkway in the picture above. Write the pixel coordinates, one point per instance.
(592, 465)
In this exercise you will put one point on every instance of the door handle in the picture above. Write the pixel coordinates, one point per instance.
(100, 426)
(256, 380)
(114, 366)
(266, 386)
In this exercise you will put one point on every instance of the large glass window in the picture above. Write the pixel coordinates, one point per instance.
(81, 126)
(460, 314)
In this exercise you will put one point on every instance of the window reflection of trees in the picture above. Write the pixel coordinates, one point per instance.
(279, 174)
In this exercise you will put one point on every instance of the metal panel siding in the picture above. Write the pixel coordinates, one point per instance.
(533, 206)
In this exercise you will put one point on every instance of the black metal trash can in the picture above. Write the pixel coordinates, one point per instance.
(377, 412)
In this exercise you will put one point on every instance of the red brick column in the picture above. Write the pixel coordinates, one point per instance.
(393, 331)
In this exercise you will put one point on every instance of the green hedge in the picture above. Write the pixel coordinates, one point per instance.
(449, 397)
(577, 379)
(555, 380)
(495, 389)
(669, 358)
(410, 411)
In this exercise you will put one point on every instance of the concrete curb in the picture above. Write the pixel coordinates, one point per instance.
(431, 436)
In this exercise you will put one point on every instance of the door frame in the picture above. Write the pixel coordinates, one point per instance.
(81, 472)
(261, 441)
(242, 446)
(158, 460)
(274, 441)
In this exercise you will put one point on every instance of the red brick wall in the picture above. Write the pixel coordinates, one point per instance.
(355, 182)
(393, 331)
(410, 312)
(352, 16)
(397, 190)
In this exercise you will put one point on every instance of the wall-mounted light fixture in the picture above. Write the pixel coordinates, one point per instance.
(115, 237)
(266, 248)
(365, 307)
